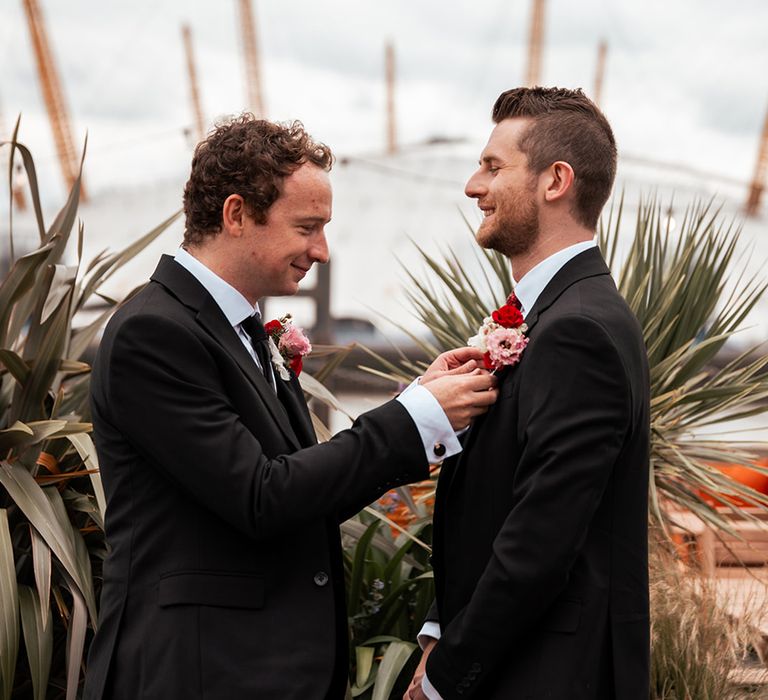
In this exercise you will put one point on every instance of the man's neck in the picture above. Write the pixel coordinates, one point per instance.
(549, 242)
(218, 262)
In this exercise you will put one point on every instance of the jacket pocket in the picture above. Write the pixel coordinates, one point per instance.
(564, 616)
(216, 589)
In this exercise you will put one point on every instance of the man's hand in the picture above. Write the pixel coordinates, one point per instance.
(463, 396)
(457, 361)
(414, 691)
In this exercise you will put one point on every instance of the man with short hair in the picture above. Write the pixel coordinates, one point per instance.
(540, 526)
(224, 578)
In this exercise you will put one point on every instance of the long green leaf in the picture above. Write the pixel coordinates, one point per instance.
(15, 365)
(83, 576)
(395, 658)
(41, 562)
(9, 609)
(46, 343)
(364, 664)
(38, 639)
(16, 434)
(358, 568)
(75, 638)
(87, 451)
(319, 391)
(18, 282)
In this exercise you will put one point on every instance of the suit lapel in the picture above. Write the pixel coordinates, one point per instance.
(192, 294)
(586, 264)
(292, 397)
(590, 263)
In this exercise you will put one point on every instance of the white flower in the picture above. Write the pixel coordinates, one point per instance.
(481, 339)
(277, 361)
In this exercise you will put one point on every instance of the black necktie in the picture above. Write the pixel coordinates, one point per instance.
(260, 342)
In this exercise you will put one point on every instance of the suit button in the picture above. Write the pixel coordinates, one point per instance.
(439, 449)
(321, 578)
(476, 667)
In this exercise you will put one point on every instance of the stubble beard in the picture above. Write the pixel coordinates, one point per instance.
(515, 229)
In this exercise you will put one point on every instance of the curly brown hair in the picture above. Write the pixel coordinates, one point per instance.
(566, 126)
(246, 156)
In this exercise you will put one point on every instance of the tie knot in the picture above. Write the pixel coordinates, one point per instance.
(512, 300)
(254, 328)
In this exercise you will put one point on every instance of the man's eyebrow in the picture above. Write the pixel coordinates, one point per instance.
(310, 217)
(487, 159)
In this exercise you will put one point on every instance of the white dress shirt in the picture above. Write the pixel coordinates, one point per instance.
(425, 411)
(233, 305)
(527, 290)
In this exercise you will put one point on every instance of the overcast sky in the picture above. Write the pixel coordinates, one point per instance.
(686, 80)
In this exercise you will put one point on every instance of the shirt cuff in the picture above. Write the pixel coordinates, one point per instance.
(437, 435)
(429, 689)
(429, 630)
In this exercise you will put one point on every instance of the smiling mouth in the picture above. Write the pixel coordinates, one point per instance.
(487, 212)
(303, 270)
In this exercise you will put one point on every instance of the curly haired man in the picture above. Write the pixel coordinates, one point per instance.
(224, 576)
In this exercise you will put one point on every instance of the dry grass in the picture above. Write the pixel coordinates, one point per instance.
(699, 650)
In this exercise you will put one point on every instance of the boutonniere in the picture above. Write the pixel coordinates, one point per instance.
(502, 336)
(288, 345)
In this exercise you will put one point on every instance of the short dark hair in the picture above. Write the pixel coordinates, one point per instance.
(566, 125)
(246, 156)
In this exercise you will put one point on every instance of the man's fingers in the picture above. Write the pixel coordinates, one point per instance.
(466, 368)
(464, 354)
(480, 380)
(485, 398)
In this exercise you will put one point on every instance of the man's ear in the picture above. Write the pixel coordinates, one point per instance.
(559, 180)
(233, 215)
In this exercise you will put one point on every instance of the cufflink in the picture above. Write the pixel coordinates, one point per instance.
(439, 449)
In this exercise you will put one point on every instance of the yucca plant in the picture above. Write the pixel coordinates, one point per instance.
(51, 500)
(690, 301)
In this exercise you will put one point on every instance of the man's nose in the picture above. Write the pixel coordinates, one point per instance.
(319, 250)
(475, 187)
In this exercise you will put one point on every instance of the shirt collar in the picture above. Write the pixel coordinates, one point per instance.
(535, 280)
(233, 304)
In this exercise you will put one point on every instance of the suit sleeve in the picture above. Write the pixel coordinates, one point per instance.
(171, 406)
(575, 410)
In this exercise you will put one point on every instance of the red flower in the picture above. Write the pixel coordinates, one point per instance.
(508, 316)
(487, 360)
(296, 365)
(272, 327)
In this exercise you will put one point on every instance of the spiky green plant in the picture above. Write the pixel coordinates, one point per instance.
(677, 284)
(51, 500)
(389, 590)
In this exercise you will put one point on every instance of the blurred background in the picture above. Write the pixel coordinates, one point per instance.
(401, 91)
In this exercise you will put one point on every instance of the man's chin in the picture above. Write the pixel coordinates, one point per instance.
(487, 237)
(287, 289)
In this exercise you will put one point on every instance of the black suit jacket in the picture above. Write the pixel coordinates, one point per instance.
(224, 577)
(540, 538)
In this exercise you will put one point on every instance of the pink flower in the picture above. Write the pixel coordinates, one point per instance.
(505, 346)
(293, 342)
